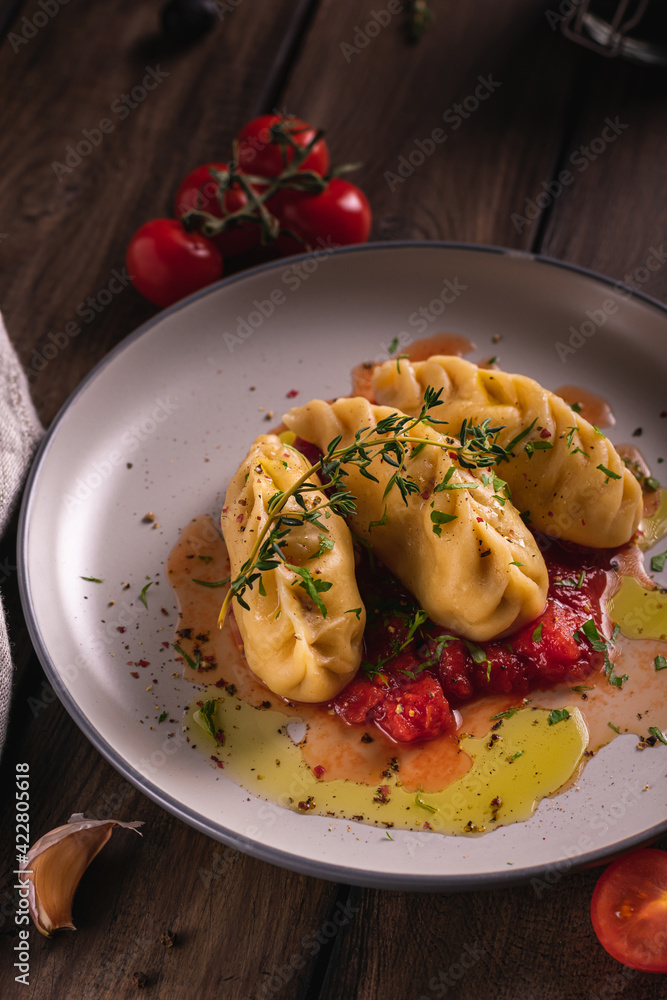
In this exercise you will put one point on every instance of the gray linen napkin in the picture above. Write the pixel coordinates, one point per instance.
(20, 431)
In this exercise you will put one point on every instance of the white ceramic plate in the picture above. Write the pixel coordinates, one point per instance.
(174, 400)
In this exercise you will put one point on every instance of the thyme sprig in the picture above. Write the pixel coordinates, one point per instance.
(393, 441)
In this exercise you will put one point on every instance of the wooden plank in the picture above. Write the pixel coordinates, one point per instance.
(380, 100)
(67, 228)
(515, 944)
(234, 930)
(614, 213)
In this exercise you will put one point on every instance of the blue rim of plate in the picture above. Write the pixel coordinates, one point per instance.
(283, 859)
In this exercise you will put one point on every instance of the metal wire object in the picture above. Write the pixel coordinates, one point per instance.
(632, 29)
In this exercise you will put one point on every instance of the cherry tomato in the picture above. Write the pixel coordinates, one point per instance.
(259, 155)
(166, 263)
(629, 910)
(198, 190)
(338, 216)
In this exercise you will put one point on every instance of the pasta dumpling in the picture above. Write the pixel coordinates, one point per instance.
(563, 472)
(299, 651)
(462, 550)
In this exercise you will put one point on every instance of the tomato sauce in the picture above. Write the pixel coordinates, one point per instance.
(415, 672)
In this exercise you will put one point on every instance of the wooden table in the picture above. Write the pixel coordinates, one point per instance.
(239, 923)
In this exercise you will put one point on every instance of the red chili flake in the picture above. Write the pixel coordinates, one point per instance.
(143, 663)
(550, 513)
(481, 520)
(544, 433)
(427, 825)
(120, 628)
(319, 771)
(425, 495)
(453, 455)
(225, 509)
(213, 757)
(166, 645)
(219, 764)
(130, 663)
(134, 673)
(292, 393)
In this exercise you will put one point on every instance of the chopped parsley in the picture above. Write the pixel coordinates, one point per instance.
(576, 407)
(312, 586)
(163, 716)
(537, 634)
(91, 579)
(193, 664)
(142, 595)
(507, 714)
(212, 583)
(600, 644)
(660, 662)
(657, 562)
(537, 446)
(206, 559)
(326, 545)
(424, 805)
(558, 715)
(354, 611)
(393, 347)
(608, 473)
(658, 733)
(615, 728)
(439, 518)
(206, 712)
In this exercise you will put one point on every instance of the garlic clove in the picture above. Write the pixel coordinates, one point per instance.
(54, 865)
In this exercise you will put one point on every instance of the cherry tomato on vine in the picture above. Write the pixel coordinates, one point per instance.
(629, 910)
(338, 216)
(166, 263)
(198, 190)
(259, 155)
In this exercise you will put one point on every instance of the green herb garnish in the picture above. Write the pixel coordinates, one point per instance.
(658, 733)
(660, 662)
(608, 473)
(537, 634)
(142, 595)
(615, 728)
(213, 583)
(163, 716)
(91, 579)
(206, 712)
(657, 562)
(193, 664)
(558, 715)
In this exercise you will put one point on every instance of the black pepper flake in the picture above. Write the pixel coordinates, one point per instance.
(139, 980)
(637, 432)
(168, 939)
(366, 738)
